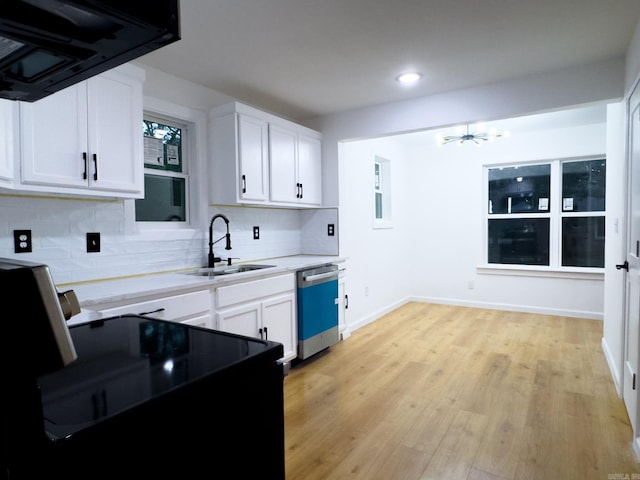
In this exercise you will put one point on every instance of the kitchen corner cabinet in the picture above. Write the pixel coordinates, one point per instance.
(192, 308)
(261, 159)
(86, 139)
(264, 308)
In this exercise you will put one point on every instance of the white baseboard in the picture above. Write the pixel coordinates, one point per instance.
(613, 368)
(376, 315)
(513, 308)
(636, 447)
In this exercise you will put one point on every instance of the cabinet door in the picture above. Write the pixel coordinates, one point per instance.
(310, 169)
(253, 161)
(115, 133)
(243, 320)
(53, 134)
(7, 139)
(279, 321)
(203, 321)
(284, 186)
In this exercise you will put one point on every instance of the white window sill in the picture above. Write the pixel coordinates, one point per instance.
(537, 271)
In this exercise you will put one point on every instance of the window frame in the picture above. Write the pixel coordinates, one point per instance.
(555, 215)
(185, 160)
(381, 185)
(196, 200)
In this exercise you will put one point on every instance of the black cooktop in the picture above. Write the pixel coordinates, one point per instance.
(129, 360)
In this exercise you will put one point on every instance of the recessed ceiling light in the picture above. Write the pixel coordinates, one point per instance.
(408, 78)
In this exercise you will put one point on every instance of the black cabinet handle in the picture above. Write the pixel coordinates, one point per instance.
(157, 310)
(266, 334)
(244, 184)
(623, 266)
(297, 190)
(95, 164)
(301, 191)
(84, 159)
(346, 302)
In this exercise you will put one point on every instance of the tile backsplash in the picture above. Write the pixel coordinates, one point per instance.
(59, 227)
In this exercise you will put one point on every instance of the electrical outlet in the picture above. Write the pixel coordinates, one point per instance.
(93, 242)
(256, 233)
(331, 229)
(22, 241)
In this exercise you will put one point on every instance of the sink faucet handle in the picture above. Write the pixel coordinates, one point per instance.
(231, 258)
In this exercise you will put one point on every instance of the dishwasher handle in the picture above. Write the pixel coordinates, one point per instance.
(320, 276)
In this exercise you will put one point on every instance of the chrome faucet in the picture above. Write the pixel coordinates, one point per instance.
(213, 259)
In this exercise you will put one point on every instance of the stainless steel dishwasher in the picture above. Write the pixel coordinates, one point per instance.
(317, 309)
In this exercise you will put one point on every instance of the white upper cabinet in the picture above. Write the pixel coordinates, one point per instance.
(8, 140)
(261, 159)
(253, 163)
(87, 138)
(283, 154)
(309, 168)
(296, 173)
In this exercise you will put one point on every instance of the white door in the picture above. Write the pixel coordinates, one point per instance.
(632, 313)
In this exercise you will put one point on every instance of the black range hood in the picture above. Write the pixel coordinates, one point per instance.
(48, 45)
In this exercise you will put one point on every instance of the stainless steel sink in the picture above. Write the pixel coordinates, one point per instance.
(213, 272)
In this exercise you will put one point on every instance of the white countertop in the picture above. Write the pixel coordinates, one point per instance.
(91, 294)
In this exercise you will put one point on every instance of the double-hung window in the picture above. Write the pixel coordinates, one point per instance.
(381, 193)
(549, 214)
(165, 172)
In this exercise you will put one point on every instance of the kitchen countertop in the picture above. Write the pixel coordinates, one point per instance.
(92, 294)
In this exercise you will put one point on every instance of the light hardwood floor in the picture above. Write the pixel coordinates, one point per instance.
(443, 392)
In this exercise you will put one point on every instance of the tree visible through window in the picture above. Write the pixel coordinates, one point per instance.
(165, 178)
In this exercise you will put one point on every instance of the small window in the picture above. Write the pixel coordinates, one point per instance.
(165, 172)
(381, 193)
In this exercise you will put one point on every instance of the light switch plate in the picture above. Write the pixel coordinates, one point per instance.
(93, 242)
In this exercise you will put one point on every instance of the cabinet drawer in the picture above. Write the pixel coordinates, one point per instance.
(167, 308)
(254, 290)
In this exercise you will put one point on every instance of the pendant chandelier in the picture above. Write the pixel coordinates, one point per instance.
(478, 136)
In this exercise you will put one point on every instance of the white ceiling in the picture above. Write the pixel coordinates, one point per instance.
(302, 58)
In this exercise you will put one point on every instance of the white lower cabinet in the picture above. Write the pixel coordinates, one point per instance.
(192, 308)
(264, 308)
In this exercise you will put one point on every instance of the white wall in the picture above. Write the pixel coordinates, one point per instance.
(587, 84)
(435, 248)
(377, 258)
